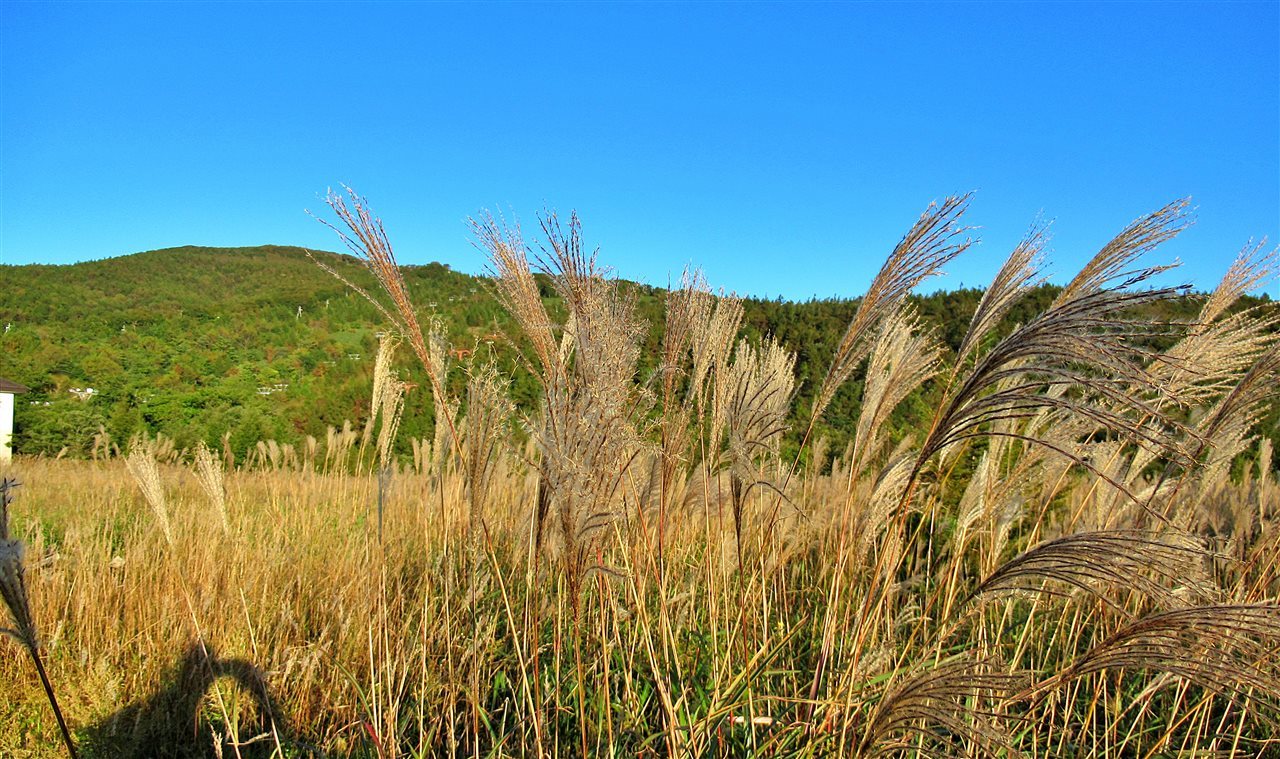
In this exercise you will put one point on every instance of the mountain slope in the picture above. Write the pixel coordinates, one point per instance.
(197, 342)
(261, 343)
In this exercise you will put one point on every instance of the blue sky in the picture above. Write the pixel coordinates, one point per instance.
(783, 148)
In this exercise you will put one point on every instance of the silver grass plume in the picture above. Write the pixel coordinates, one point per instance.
(383, 375)
(587, 429)
(208, 473)
(517, 289)
(938, 707)
(1020, 274)
(713, 341)
(1228, 649)
(686, 308)
(387, 404)
(488, 410)
(760, 390)
(142, 465)
(975, 502)
(759, 400)
(1115, 259)
(1268, 502)
(391, 412)
(935, 239)
(885, 493)
(1220, 347)
(905, 355)
(365, 237)
(1231, 358)
(1008, 473)
(1083, 343)
(1251, 269)
(1241, 405)
(1225, 431)
(1163, 566)
(444, 408)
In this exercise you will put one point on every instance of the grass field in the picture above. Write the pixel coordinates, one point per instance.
(1073, 552)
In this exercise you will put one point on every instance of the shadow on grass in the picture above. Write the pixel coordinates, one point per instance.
(187, 718)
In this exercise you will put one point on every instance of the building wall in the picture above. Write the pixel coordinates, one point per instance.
(6, 425)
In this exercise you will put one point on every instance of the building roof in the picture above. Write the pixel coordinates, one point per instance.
(8, 386)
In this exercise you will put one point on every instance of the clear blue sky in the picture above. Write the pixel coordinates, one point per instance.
(784, 148)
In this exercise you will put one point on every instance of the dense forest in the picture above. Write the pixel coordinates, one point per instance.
(236, 345)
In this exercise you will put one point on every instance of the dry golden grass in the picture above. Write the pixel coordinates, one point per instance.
(404, 640)
(1058, 563)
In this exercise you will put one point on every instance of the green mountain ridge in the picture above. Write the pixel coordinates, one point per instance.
(261, 343)
(183, 340)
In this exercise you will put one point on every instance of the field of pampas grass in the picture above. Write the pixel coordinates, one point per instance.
(1074, 552)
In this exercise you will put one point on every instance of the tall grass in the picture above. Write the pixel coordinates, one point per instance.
(1075, 554)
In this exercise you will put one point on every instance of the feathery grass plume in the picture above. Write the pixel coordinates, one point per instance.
(13, 589)
(365, 237)
(388, 405)
(761, 387)
(1220, 347)
(819, 456)
(941, 707)
(715, 322)
(517, 289)
(905, 355)
(102, 444)
(975, 502)
(1227, 649)
(687, 311)
(163, 449)
(885, 493)
(587, 431)
(311, 448)
(712, 343)
(383, 376)
(267, 456)
(1225, 431)
(142, 465)
(1112, 262)
(1206, 363)
(1242, 405)
(1268, 503)
(1083, 343)
(337, 446)
(444, 408)
(1162, 566)
(421, 453)
(392, 410)
(685, 308)
(209, 474)
(488, 411)
(1006, 476)
(1020, 274)
(763, 384)
(1252, 268)
(1001, 518)
(930, 244)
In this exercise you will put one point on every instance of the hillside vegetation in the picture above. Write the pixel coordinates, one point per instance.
(201, 343)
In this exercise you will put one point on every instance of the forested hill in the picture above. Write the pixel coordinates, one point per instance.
(194, 342)
(261, 343)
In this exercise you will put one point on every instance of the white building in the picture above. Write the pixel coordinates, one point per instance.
(7, 391)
